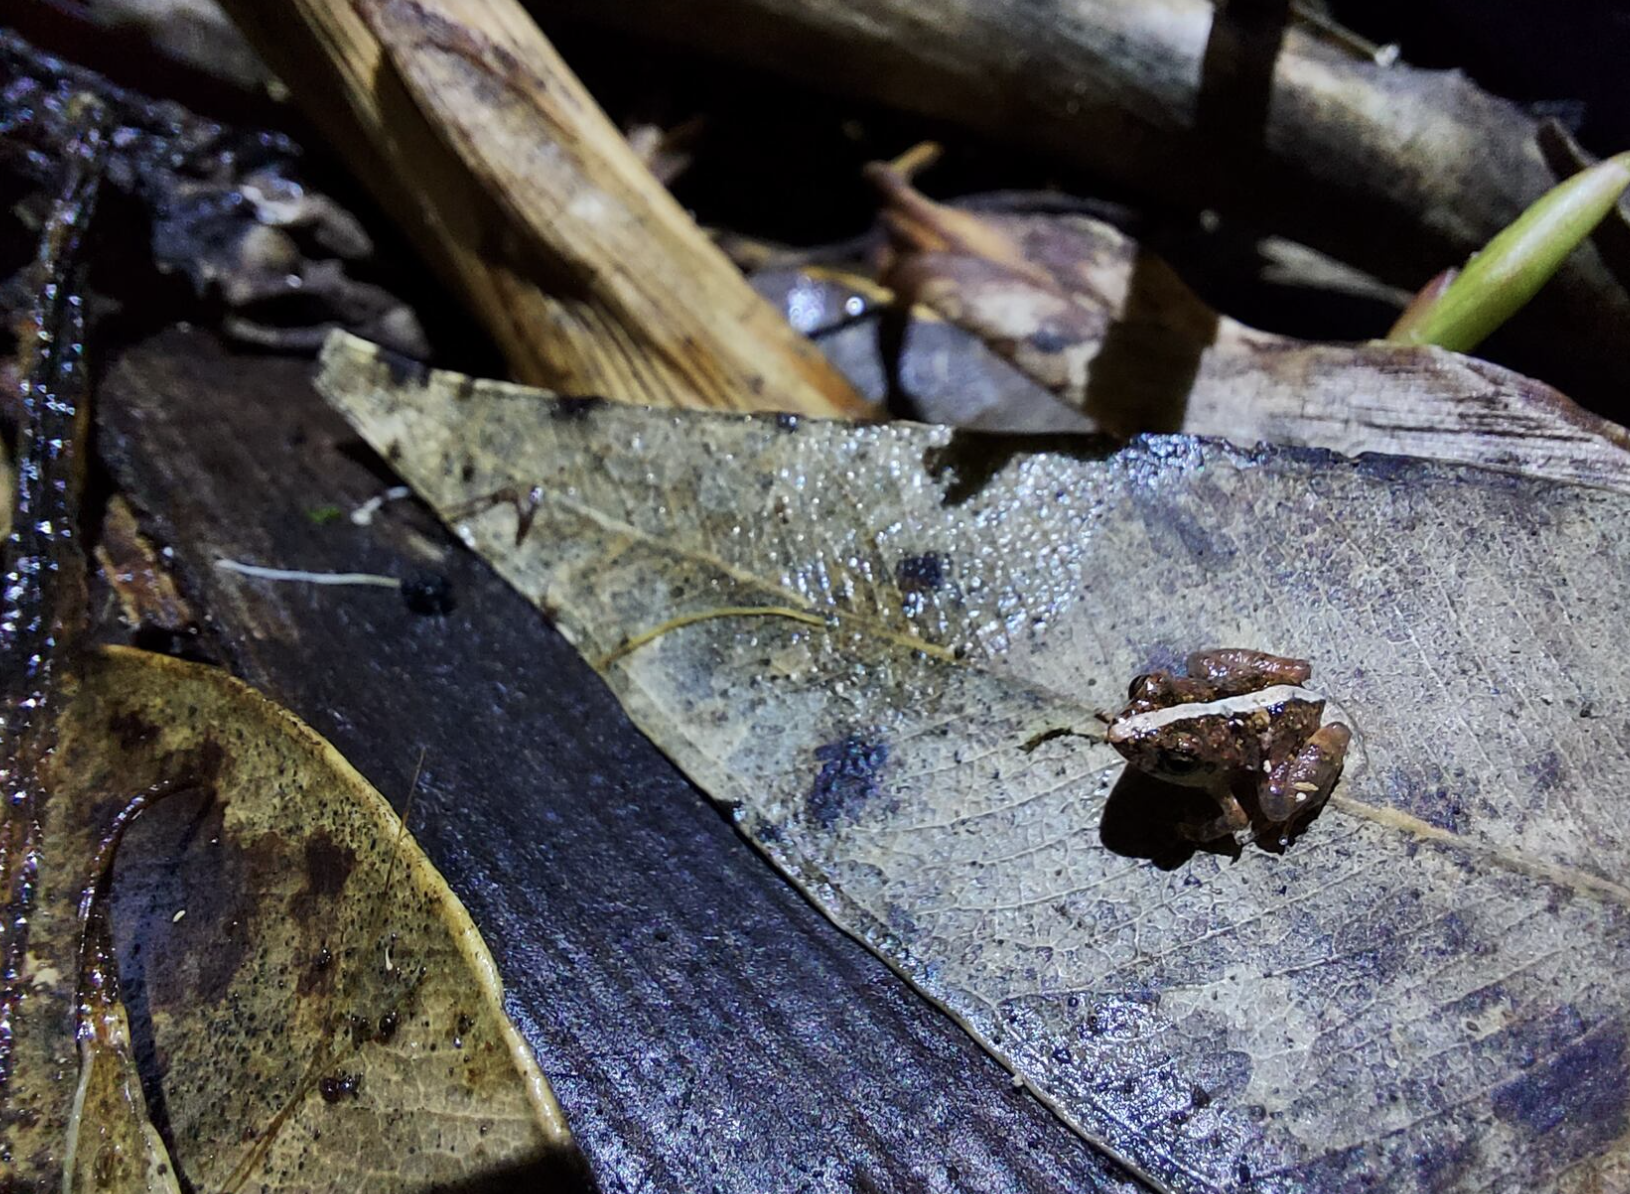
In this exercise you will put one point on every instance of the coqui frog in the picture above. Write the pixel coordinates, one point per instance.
(1238, 718)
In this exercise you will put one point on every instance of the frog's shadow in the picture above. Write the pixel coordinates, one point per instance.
(1142, 813)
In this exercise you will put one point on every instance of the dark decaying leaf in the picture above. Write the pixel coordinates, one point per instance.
(42, 614)
(864, 642)
(1115, 334)
(229, 209)
(313, 1007)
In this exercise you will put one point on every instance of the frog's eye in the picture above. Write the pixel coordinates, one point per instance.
(1179, 762)
(1137, 684)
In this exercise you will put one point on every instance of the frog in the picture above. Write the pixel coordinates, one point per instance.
(1238, 720)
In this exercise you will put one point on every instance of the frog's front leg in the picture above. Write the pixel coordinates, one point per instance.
(1228, 822)
(1298, 786)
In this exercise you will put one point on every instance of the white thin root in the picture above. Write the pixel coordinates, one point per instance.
(310, 578)
(363, 515)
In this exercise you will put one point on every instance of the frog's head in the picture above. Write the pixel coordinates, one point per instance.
(1179, 745)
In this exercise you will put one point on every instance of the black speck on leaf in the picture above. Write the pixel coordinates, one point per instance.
(921, 573)
(340, 1086)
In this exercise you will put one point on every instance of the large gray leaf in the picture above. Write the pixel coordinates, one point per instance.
(1426, 991)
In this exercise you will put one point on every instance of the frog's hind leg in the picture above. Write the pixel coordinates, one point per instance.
(1236, 670)
(1300, 785)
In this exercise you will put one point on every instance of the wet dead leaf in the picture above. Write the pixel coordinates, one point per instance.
(42, 615)
(1112, 332)
(1427, 991)
(314, 1006)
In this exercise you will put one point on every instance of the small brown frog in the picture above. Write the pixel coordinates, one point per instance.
(1240, 718)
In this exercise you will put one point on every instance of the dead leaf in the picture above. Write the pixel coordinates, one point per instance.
(149, 601)
(316, 1007)
(1427, 991)
(1114, 333)
(1392, 168)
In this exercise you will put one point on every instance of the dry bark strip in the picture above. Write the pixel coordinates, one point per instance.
(1397, 170)
(474, 134)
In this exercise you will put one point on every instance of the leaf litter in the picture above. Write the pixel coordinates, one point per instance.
(1426, 991)
(1114, 334)
(303, 1003)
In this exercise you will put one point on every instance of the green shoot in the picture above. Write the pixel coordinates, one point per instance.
(1498, 281)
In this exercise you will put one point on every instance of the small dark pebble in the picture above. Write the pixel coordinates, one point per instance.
(429, 593)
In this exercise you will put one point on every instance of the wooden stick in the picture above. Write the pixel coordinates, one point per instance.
(476, 137)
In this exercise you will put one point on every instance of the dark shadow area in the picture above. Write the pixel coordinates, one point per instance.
(972, 459)
(1236, 75)
(1564, 58)
(161, 865)
(1142, 815)
(893, 328)
(558, 1172)
(1141, 378)
(129, 59)
(1141, 818)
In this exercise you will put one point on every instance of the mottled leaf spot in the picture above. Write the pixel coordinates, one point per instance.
(920, 574)
(328, 865)
(1425, 791)
(847, 780)
(1048, 341)
(1577, 1098)
(1442, 1165)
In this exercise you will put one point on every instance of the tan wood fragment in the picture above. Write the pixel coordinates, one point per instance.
(477, 138)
